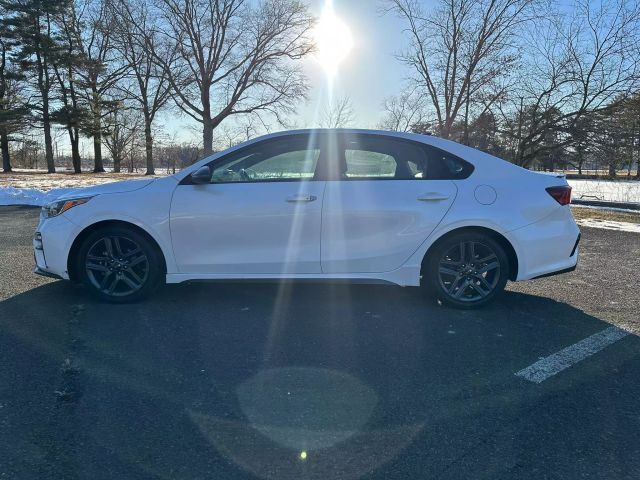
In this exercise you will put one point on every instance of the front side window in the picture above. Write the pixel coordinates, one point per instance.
(271, 161)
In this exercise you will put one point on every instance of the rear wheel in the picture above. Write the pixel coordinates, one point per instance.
(467, 270)
(119, 264)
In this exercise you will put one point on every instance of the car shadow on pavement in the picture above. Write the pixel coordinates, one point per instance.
(288, 380)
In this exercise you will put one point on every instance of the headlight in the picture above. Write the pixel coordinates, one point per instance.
(56, 208)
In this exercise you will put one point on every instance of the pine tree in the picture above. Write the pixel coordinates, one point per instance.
(12, 110)
(30, 24)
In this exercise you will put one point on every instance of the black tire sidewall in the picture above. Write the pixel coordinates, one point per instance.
(433, 285)
(155, 264)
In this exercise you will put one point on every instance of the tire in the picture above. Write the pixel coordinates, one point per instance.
(466, 270)
(119, 264)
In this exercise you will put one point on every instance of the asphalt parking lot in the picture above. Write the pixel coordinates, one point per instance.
(317, 381)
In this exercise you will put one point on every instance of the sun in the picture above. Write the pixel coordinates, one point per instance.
(333, 40)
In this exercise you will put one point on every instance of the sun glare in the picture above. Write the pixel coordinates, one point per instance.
(333, 40)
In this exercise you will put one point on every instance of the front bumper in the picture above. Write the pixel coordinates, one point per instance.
(44, 273)
(51, 244)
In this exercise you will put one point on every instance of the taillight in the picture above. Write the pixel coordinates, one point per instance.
(562, 194)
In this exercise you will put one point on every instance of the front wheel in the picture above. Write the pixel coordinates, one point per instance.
(467, 270)
(119, 264)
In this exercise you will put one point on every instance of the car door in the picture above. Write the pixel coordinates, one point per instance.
(260, 213)
(379, 204)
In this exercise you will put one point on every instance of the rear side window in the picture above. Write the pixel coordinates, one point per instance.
(365, 163)
(371, 158)
(445, 166)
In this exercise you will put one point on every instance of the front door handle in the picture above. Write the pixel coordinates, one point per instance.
(433, 197)
(301, 198)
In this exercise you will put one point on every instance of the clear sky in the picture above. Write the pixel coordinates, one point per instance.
(367, 75)
(370, 72)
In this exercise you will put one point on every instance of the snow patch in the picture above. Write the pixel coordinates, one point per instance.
(609, 225)
(30, 196)
(627, 191)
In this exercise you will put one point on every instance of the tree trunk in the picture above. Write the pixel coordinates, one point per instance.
(74, 139)
(207, 136)
(580, 161)
(130, 167)
(612, 170)
(48, 142)
(98, 166)
(117, 160)
(465, 137)
(148, 146)
(4, 146)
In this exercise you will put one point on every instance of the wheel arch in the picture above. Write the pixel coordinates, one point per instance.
(498, 237)
(72, 266)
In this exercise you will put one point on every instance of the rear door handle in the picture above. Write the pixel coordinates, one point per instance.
(301, 198)
(433, 197)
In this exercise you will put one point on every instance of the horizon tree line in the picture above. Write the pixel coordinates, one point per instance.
(82, 64)
(522, 79)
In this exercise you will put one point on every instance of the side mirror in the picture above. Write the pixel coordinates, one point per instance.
(201, 176)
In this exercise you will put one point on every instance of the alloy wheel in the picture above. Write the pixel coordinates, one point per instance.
(469, 271)
(117, 266)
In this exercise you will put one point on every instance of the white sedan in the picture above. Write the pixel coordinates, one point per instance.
(361, 205)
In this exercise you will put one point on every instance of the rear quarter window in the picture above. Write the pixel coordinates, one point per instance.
(445, 166)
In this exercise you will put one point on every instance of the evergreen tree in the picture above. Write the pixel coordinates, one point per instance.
(12, 110)
(30, 24)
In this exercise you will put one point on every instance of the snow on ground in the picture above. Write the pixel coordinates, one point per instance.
(627, 191)
(30, 196)
(609, 225)
(36, 187)
(40, 180)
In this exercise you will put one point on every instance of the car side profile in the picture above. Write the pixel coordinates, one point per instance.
(361, 205)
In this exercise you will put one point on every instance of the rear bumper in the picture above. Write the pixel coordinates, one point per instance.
(547, 247)
(559, 272)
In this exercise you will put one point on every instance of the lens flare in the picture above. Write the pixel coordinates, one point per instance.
(333, 40)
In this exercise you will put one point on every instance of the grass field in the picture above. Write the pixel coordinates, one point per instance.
(581, 213)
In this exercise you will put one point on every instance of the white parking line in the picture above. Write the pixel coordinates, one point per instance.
(553, 364)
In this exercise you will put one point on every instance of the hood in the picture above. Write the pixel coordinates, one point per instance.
(113, 187)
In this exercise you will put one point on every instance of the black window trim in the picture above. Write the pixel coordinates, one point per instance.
(322, 172)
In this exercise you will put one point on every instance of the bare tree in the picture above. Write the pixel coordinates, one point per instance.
(234, 57)
(402, 112)
(149, 86)
(461, 51)
(338, 113)
(124, 126)
(69, 60)
(579, 64)
(103, 69)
